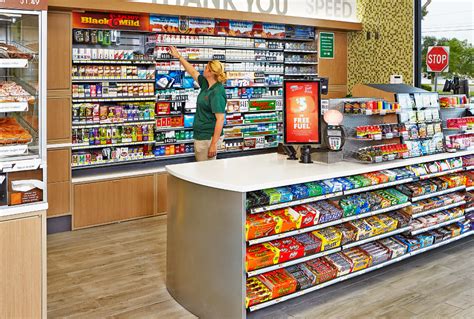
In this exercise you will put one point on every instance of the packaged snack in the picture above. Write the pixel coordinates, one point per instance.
(358, 257)
(348, 233)
(274, 196)
(378, 227)
(259, 225)
(395, 247)
(425, 240)
(285, 194)
(330, 237)
(321, 269)
(363, 229)
(286, 220)
(455, 229)
(309, 215)
(340, 262)
(311, 243)
(314, 189)
(411, 242)
(288, 249)
(303, 281)
(257, 292)
(378, 253)
(299, 191)
(280, 282)
(401, 217)
(260, 256)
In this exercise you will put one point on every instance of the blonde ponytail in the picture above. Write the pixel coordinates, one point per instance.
(217, 68)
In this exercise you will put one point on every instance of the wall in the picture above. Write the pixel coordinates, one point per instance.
(373, 61)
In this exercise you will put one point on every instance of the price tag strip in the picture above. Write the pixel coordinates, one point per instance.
(13, 107)
(13, 63)
(13, 150)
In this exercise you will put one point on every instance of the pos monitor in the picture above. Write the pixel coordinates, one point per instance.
(302, 114)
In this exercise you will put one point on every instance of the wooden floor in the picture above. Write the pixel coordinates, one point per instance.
(118, 271)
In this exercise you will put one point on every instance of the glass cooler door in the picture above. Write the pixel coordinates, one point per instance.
(20, 85)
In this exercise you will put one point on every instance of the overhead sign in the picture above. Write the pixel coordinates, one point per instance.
(24, 4)
(326, 45)
(116, 21)
(340, 10)
(437, 59)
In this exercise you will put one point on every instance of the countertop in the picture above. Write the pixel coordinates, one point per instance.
(252, 173)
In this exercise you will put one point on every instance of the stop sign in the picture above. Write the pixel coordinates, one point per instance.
(437, 59)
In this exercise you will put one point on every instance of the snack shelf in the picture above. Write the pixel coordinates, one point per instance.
(114, 99)
(177, 142)
(468, 210)
(113, 162)
(363, 139)
(301, 74)
(13, 63)
(254, 111)
(225, 61)
(148, 62)
(300, 51)
(373, 112)
(439, 209)
(169, 114)
(254, 273)
(254, 123)
(262, 209)
(443, 192)
(84, 146)
(302, 62)
(357, 273)
(179, 128)
(13, 107)
(256, 241)
(254, 86)
(448, 222)
(190, 45)
(278, 97)
(470, 188)
(253, 136)
(468, 168)
(175, 156)
(94, 80)
(378, 186)
(374, 238)
(95, 125)
(450, 171)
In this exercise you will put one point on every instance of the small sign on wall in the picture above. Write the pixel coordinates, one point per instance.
(326, 45)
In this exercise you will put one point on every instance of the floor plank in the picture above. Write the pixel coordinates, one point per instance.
(118, 271)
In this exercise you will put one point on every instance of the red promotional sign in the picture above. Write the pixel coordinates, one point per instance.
(437, 59)
(114, 21)
(302, 112)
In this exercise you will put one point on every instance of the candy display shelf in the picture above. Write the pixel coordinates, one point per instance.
(357, 273)
(114, 99)
(448, 222)
(470, 188)
(468, 210)
(241, 222)
(111, 80)
(446, 191)
(87, 146)
(96, 125)
(325, 225)
(146, 62)
(438, 209)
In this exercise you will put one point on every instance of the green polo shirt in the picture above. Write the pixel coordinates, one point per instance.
(210, 101)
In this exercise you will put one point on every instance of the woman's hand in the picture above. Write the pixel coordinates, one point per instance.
(174, 52)
(212, 152)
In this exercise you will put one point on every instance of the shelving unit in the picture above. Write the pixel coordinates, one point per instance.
(236, 228)
(356, 274)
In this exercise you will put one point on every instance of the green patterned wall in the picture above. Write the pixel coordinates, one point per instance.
(374, 60)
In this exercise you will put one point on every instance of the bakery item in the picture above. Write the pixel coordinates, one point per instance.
(13, 92)
(12, 52)
(11, 132)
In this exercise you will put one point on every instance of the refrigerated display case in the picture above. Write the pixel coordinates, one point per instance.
(22, 111)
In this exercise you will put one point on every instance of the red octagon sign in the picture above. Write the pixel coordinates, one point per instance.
(437, 59)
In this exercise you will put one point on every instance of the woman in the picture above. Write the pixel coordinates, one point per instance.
(211, 107)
